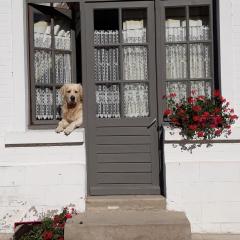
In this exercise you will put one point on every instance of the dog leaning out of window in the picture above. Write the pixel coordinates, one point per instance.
(72, 108)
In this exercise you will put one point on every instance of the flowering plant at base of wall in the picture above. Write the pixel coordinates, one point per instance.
(50, 228)
(200, 118)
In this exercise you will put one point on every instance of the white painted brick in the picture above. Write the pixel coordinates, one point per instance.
(230, 227)
(217, 212)
(220, 171)
(182, 171)
(221, 192)
(193, 212)
(12, 176)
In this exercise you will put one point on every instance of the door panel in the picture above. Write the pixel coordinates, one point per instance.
(122, 137)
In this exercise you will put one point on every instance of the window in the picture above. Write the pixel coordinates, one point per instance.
(52, 59)
(189, 50)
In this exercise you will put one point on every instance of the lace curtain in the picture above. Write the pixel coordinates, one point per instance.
(108, 101)
(106, 64)
(199, 58)
(44, 103)
(135, 63)
(135, 100)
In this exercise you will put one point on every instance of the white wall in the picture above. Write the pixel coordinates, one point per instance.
(206, 182)
(33, 180)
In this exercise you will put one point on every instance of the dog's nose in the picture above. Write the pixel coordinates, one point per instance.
(72, 98)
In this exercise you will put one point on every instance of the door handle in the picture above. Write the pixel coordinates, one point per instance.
(152, 122)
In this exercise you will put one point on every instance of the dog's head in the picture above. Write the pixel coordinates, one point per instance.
(72, 93)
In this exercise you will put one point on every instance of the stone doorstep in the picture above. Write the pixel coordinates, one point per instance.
(126, 202)
(128, 225)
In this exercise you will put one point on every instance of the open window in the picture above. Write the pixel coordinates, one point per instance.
(53, 34)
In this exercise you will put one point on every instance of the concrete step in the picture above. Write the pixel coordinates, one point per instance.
(128, 225)
(129, 202)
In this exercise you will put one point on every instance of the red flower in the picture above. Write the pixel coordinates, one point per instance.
(233, 117)
(201, 98)
(47, 235)
(218, 132)
(212, 126)
(196, 118)
(192, 127)
(217, 93)
(191, 100)
(68, 215)
(173, 95)
(167, 112)
(200, 134)
(217, 120)
(196, 108)
(61, 238)
(206, 114)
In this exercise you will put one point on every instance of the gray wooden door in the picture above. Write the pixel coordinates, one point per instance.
(121, 102)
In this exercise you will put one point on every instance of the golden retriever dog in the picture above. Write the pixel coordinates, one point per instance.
(72, 115)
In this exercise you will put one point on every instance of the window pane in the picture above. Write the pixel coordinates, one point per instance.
(107, 101)
(200, 88)
(135, 100)
(200, 64)
(63, 68)
(62, 34)
(61, 5)
(179, 88)
(134, 25)
(42, 67)
(175, 24)
(135, 63)
(106, 26)
(176, 61)
(106, 64)
(44, 103)
(42, 30)
(199, 23)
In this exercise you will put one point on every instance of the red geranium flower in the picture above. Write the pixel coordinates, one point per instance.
(196, 108)
(218, 132)
(200, 134)
(232, 117)
(47, 235)
(192, 127)
(191, 100)
(167, 112)
(217, 93)
(196, 118)
(68, 215)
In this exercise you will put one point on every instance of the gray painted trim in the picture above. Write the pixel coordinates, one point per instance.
(14, 145)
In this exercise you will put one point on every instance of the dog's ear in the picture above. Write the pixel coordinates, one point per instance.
(62, 90)
(80, 91)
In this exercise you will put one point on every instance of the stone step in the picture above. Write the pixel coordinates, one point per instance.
(129, 202)
(128, 225)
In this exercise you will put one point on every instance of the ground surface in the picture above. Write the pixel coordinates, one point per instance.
(195, 237)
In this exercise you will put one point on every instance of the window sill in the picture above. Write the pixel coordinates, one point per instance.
(40, 138)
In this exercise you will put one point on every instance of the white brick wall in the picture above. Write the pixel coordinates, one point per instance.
(34, 181)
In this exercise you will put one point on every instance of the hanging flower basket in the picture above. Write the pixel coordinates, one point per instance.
(200, 118)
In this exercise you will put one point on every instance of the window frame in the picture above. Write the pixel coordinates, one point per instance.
(53, 12)
(161, 50)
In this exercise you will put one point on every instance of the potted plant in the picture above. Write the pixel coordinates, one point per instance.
(50, 228)
(200, 118)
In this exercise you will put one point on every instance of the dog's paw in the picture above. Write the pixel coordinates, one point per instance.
(59, 129)
(68, 130)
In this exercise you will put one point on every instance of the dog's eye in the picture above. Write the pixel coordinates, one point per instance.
(68, 91)
(76, 91)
